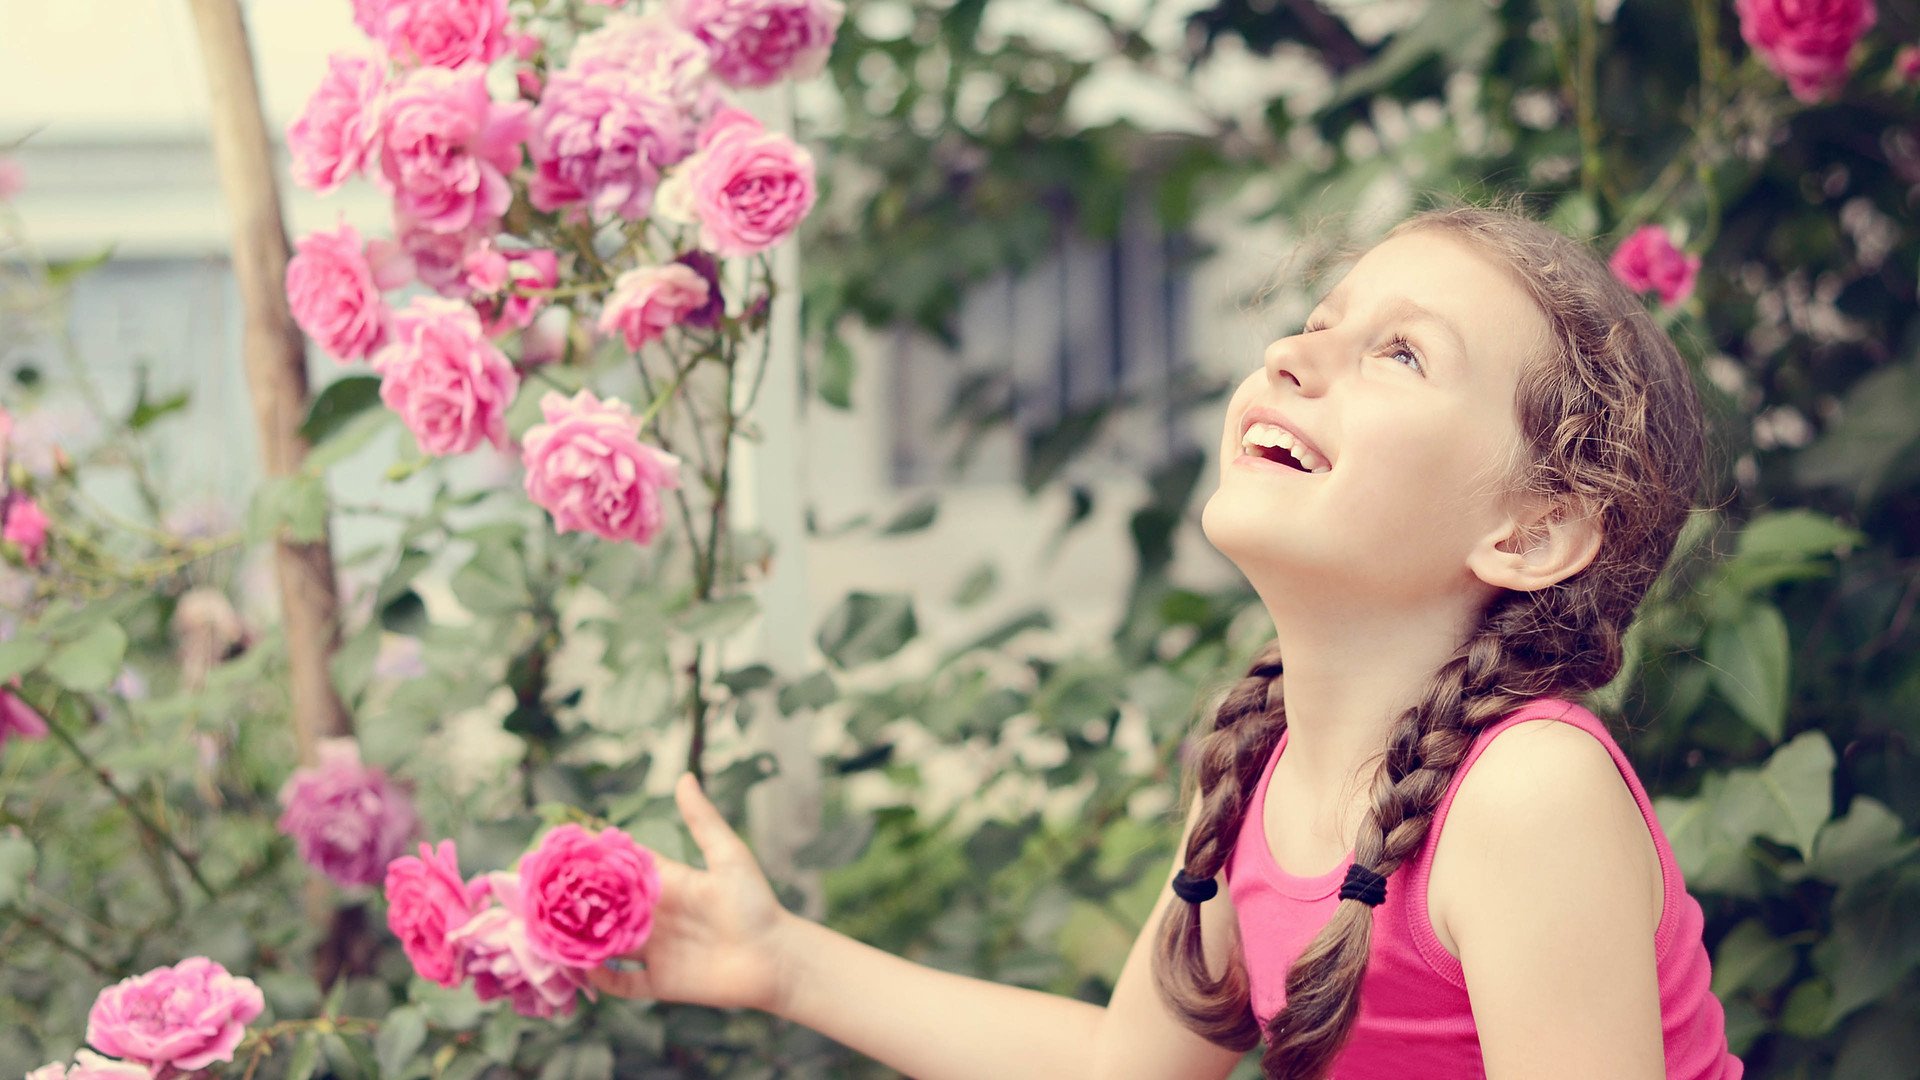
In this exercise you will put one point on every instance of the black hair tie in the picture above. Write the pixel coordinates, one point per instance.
(1363, 885)
(1192, 889)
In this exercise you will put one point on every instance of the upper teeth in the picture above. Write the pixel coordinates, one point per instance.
(1263, 435)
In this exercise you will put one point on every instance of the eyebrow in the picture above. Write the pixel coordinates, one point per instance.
(1401, 307)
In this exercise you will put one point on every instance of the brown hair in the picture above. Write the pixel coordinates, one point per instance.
(1611, 425)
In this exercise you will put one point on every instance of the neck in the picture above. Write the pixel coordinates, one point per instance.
(1351, 668)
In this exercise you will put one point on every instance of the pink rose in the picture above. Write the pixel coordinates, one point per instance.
(588, 468)
(504, 964)
(439, 260)
(25, 525)
(449, 384)
(446, 149)
(1806, 42)
(521, 274)
(348, 819)
(587, 897)
(748, 187)
(336, 296)
(17, 718)
(442, 33)
(667, 59)
(12, 179)
(88, 1065)
(648, 299)
(183, 1017)
(1648, 260)
(367, 15)
(757, 42)
(601, 136)
(426, 900)
(1906, 67)
(334, 137)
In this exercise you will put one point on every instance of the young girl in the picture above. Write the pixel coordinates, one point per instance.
(1450, 490)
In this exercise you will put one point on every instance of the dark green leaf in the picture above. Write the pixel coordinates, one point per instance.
(1749, 658)
(813, 692)
(717, 618)
(914, 518)
(402, 1033)
(342, 400)
(866, 627)
(836, 373)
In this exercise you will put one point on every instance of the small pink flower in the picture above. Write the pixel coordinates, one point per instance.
(17, 718)
(486, 268)
(336, 296)
(426, 900)
(1648, 260)
(588, 468)
(450, 385)
(757, 42)
(348, 819)
(504, 963)
(1807, 42)
(446, 149)
(25, 526)
(586, 896)
(439, 260)
(88, 1065)
(600, 137)
(335, 136)
(442, 33)
(648, 299)
(1906, 66)
(184, 1017)
(748, 187)
(12, 179)
(526, 272)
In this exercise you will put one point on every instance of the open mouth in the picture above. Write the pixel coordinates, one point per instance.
(1280, 446)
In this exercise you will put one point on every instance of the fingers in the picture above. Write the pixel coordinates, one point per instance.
(716, 839)
(634, 983)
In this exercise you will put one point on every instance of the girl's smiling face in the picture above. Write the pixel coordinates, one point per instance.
(1377, 448)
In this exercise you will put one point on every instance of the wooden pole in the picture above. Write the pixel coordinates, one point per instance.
(275, 358)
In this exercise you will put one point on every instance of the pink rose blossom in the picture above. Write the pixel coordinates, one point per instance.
(88, 1065)
(367, 16)
(449, 384)
(348, 819)
(336, 296)
(648, 299)
(25, 526)
(486, 267)
(586, 896)
(426, 900)
(54, 1071)
(12, 179)
(439, 260)
(588, 468)
(184, 1017)
(504, 963)
(1906, 66)
(446, 149)
(1648, 260)
(17, 718)
(526, 271)
(1807, 42)
(442, 33)
(757, 42)
(667, 59)
(748, 187)
(600, 137)
(335, 136)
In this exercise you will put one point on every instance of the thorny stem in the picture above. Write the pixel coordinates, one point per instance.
(27, 919)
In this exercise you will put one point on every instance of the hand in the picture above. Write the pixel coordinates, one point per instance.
(717, 933)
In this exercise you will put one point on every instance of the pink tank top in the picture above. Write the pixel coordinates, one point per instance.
(1415, 1018)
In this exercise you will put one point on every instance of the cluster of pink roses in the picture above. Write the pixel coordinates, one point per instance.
(170, 1022)
(578, 899)
(633, 126)
(348, 819)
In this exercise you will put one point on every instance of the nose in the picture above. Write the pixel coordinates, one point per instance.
(1297, 359)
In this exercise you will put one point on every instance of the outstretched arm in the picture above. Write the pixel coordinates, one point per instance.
(722, 939)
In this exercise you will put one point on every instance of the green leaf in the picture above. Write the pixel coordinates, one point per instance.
(92, 661)
(1049, 449)
(1861, 844)
(836, 373)
(1787, 801)
(1749, 658)
(1872, 441)
(591, 1061)
(1794, 534)
(402, 1034)
(296, 503)
(17, 861)
(342, 400)
(866, 627)
(21, 655)
(67, 271)
(1750, 958)
(913, 518)
(813, 692)
(494, 581)
(717, 618)
(304, 1061)
(145, 410)
(978, 585)
(1875, 941)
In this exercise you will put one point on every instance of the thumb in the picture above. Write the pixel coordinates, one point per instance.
(711, 832)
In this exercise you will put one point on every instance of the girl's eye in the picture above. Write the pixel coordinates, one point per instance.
(1396, 348)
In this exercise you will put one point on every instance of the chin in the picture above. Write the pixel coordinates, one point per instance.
(1247, 536)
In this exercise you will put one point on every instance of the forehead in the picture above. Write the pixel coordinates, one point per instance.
(1496, 319)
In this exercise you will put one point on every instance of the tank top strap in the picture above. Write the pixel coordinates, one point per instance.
(1420, 923)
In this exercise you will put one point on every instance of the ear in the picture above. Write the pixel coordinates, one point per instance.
(1540, 545)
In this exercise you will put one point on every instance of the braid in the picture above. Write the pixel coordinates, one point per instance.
(1226, 768)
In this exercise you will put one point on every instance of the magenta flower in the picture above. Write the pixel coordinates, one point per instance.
(450, 385)
(1807, 42)
(587, 897)
(336, 135)
(184, 1017)
(600, 137)
(426, 900)
(648, 299)
(748, 187)
(348, 819)
(588, 468)
(446, 149)
(24, 524)
(1648, 260)
(504, 963)
(440, 33)
(335, 293)
(757, 42)
(17, 718)
(88, 1065)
